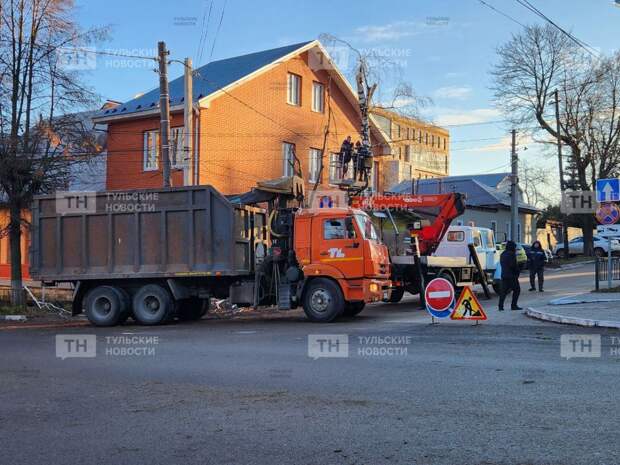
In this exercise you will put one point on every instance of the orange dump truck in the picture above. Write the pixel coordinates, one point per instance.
(153, 255)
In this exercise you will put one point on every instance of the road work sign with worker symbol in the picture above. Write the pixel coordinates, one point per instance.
(440, 302)
(468, 307)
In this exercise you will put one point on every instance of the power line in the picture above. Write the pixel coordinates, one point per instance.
(205, 30)
(588, 48)
(218, 29)
(506, 15)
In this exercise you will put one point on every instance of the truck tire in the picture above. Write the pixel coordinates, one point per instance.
(353, 308)
(125, 304)
(104, 306)
(192, 309)
(396, 295)
(323, 301)
(153, 305)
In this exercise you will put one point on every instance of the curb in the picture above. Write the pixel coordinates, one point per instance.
(569, 320)
(571, 301)
(572, 266)
(13, 318)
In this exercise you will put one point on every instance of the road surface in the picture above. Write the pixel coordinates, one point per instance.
(246, 391)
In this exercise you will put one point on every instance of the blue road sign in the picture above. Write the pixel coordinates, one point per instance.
(608, 190)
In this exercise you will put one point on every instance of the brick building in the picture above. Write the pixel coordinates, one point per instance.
(251, 113)
(416, 150)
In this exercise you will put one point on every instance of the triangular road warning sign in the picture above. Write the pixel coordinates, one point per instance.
(468, 307)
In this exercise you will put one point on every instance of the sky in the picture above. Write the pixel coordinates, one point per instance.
(443, 48)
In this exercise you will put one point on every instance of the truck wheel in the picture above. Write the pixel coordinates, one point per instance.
(192, 309)
(153, 305)
(396, 295)
(353, 308)
(104, 306)
(323, 300)
(125, 304)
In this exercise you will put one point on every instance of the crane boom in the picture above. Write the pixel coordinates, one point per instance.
(451, 206)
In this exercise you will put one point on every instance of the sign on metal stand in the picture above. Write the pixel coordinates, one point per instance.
(608, 213)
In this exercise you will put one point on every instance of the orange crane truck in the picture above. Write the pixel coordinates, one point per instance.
(415, 265)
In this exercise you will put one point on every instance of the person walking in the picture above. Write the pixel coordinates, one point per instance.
(536, 263)
(510, 276)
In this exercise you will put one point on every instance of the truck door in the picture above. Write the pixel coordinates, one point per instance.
(476, 240)
(339, 245)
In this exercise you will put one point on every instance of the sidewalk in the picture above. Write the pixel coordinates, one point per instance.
(588, 309)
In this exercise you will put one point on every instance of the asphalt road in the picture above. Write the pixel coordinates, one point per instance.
(246, 391)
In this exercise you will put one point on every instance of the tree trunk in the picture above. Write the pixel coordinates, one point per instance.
(15, 234)
(588, 236)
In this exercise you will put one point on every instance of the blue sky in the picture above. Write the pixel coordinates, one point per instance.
(444, 49)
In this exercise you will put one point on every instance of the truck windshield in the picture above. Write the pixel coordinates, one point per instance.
(366, 227)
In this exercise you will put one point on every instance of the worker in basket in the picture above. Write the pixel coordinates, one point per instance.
(346, 153)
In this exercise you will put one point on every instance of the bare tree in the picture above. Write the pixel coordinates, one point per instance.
(536, 62)
(535, 182)
(41, 135)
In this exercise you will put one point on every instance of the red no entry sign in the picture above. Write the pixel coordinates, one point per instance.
(439, 295)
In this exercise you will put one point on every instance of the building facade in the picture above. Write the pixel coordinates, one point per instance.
(254, 117)
(416, 150)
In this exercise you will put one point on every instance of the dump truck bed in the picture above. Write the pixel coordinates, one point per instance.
(187, 231)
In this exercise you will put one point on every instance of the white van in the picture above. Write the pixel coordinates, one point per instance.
(456, 240)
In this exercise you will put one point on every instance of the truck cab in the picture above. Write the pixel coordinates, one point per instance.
(343, 260)
(455, 244)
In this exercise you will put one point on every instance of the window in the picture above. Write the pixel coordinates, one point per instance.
(408, 153)
(489, 237)
(293, 93)
(335, 170)
(150, 160)
(445, 143)
(419, 136)
(397, 130)
(433, 140)
(519, 232)
(494, 226)
(455, 236)
(426, 138)
(365, 225)
(410, 172)
(178, 158)
(288, 155)
(338, 228)
(477, 239)
(400, 153)
(318, 97)
(314, 165)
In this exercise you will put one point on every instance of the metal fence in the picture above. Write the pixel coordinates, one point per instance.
(602, 270)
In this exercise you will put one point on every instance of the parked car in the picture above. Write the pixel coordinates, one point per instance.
(521, 261)
(521, 254)
(575, 247)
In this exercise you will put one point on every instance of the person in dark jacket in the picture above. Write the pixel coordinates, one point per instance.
(536, 263)
(510, 276)
(346, 153)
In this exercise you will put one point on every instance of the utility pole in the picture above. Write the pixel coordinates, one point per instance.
(164, 111)
(514, 181)
(561, 167)
(188, 117)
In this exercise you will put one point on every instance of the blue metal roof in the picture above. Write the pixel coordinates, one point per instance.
(479, 194)
(207, 79)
